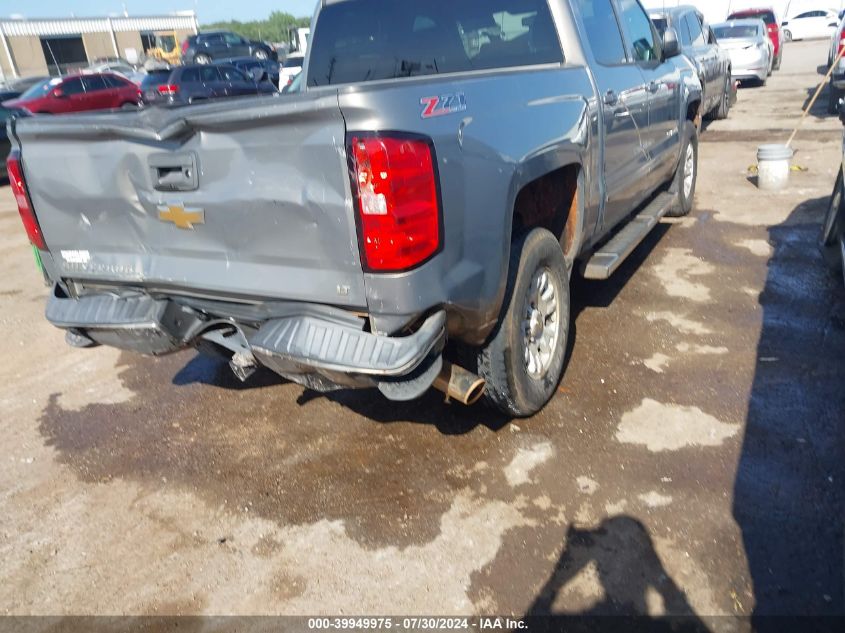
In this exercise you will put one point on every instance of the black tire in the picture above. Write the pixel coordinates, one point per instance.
(129, 106)
(260, 53)
(725, 104)
(833, 97)
(778, 59)
(787, 35)
(511, 387)
(834, 227)
(685, 199)
(202, 59)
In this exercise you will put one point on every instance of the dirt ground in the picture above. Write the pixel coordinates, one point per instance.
(691, 463)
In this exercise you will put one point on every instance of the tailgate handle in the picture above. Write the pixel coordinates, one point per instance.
(171, 172)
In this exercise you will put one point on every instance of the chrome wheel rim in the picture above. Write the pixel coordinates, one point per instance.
(689, 171)
(541, 324)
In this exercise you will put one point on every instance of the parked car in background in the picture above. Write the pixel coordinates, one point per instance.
(260, 69)
(295, 85)
(291, 67)
(700, 46)
(836, 89)
(817, 24)
(133, 74)
(832, 241)
(772, 28)
(78, 93)
(190, 84)
(5, 145)
(6, 95)
(209, 46)
(749, 46)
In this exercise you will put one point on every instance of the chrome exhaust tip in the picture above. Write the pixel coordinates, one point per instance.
(459, 384)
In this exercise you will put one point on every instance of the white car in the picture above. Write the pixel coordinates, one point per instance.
(819, 23)
(749, 47)
(290, 68)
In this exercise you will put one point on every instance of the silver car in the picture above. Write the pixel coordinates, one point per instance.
(748, 44)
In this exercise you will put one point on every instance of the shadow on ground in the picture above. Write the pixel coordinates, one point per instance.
(789, 498)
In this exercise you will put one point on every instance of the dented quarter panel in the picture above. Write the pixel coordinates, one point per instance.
(486, 154)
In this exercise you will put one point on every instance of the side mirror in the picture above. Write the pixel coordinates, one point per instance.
(671, 44)
(58, 93)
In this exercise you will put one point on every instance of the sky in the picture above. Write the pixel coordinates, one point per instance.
(208, 10)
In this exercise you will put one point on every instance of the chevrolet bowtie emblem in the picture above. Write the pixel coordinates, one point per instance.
(181, 216)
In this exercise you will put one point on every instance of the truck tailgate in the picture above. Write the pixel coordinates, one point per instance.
(242, 197)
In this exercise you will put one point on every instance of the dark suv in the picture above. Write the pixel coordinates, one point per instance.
(189, 84)
(215, 45)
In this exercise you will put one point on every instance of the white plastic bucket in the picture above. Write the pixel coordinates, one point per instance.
(773, 166)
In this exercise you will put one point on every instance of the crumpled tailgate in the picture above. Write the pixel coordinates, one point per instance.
(242, 198)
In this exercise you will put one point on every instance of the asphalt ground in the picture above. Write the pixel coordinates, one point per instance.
(691, 462)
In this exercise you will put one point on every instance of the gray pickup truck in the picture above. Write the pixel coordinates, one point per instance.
(410, 219)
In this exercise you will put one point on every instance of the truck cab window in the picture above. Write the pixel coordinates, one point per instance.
(638, 28)
(602, 31)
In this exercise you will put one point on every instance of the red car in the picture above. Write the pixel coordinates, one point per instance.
(772, 26)
(77, 93)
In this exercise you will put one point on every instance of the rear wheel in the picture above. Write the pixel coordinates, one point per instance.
(129, 106)
(260, 54)
(202, 58)
(725, 104)
(787, 35)
(833, 97)
(778, 59)
(523, 362)
(686, 175)
(834, 227)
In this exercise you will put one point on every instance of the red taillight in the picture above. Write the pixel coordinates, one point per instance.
(168, 89)
(398, 206)
(184, 47)
(841, 42)
(30, 222)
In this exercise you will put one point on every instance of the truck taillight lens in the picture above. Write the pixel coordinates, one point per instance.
(398, 203)
(185, 47)
(168, 89)
(841, 42)
(16, 180)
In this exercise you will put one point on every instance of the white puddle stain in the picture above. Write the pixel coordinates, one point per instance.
(679, 322)
(670, 427)
(676, 272)
(654, 499)
(518, 472)
(657, 363)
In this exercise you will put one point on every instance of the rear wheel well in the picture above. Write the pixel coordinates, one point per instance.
(551, 202)
(694, 113)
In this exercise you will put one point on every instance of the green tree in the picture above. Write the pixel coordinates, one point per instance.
(272, 29)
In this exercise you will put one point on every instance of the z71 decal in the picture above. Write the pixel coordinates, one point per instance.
(443, 105)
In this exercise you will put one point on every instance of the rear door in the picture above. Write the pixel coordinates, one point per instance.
(624, 104)
(706, 56)
(98, 94)
(74, 98)
(661, 82)
(238, 46)
(236, 82)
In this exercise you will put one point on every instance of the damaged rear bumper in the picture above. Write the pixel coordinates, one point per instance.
(323, 349)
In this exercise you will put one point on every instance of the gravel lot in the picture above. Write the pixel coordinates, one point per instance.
(691, 463)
